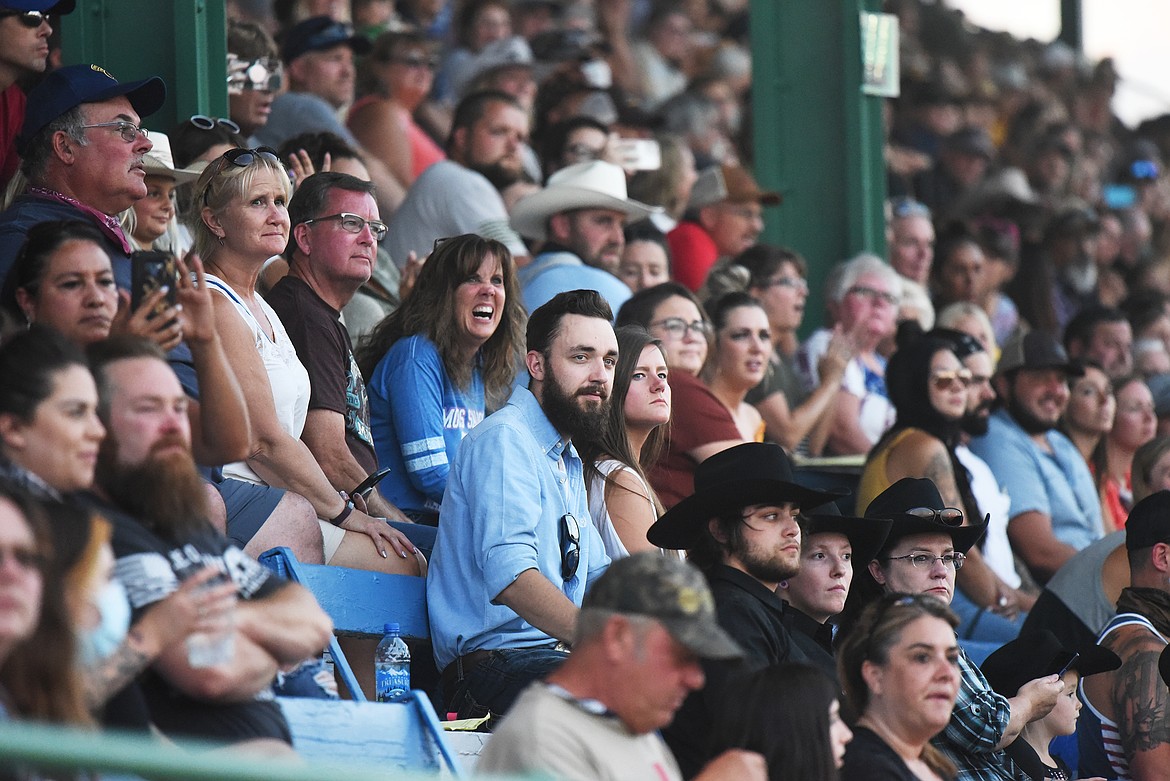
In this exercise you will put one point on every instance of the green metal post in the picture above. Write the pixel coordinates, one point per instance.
(1072, 24)
(818, 139)
(181, 40)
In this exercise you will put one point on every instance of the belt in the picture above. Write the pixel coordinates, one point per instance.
(460, 669)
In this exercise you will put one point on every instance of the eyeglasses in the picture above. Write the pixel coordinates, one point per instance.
(949, 516)
(24, 558)
(352, 223)
(954, 379)
(874, 296)
(926, 561)
(30, 19)
(204, 122)
(570, 534)
(798, 284)
(677, 327)
(128, 130)
(263, 75)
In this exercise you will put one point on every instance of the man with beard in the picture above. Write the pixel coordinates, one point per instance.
(147, 484)
(1054, 509)
(992, 501)
(740, 528)
(462, 193)
(516, 548)
(580, 217)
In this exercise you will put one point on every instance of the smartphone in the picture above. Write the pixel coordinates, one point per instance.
(637, 154)
(150, 271)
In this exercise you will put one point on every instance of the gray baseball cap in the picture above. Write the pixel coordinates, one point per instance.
(672, 592)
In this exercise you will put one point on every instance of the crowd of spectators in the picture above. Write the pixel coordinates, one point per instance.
(489, 273)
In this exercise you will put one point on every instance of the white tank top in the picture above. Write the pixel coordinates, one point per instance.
(287, 378)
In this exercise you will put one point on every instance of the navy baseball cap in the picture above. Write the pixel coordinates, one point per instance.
(69, 87)
(318, 34)
(44, 6)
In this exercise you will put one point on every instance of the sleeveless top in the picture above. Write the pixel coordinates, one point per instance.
(287, 376)
(1101, 730)
(873, 476)
(609, 536)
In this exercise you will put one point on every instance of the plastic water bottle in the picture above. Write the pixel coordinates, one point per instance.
(392, 667)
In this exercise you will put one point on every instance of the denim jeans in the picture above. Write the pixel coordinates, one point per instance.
(495, 683)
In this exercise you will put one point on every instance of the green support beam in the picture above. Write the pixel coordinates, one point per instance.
(818, 138)
(1072, 24)
(181, 40)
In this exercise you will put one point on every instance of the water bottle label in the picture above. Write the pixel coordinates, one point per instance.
(393, 683)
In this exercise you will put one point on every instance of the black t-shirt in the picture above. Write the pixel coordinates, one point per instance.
(324, 347)
(151, 569)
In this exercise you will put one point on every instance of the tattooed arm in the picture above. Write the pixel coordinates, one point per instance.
(1139, 702)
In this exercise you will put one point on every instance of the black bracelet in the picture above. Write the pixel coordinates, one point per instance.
(339, 519)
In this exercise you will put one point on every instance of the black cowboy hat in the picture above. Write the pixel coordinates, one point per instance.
(747, 474)
(1039, 654)
(915, 493)
(865, 535)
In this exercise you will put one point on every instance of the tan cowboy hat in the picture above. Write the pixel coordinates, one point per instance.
(160, 162)
(595, 184)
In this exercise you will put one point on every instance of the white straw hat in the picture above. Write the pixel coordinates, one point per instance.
(595, 184)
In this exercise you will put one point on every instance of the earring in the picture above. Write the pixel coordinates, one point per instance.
(784, 584)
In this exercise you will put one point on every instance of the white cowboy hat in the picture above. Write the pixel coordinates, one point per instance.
(160, 162)
(595, 184)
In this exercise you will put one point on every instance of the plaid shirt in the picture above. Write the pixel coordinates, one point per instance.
(976, 727)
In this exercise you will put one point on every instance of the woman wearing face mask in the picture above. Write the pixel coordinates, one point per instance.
(49, 438)
(38, 677)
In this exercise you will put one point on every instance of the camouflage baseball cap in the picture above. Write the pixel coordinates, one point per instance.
(670, 591)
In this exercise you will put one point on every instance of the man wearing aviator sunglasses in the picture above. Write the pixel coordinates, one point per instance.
(82, 143)
(24, 50)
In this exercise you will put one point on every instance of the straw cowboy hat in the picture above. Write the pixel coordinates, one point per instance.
(160, 162)
(595, 184)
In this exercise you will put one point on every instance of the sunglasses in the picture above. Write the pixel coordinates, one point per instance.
(263, 74)
(949, 516)
(955, 379)
(30, 19)
(570, 536)
(204, 122)
(908, 207)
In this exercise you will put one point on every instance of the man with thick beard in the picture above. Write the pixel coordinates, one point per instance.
(147, 484)
(462, 194)
(516, 548)
(1054, 510)
(740, 528)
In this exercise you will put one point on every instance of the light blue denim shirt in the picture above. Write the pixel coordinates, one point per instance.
(501, 516)
(550, 273)
(1057, 484)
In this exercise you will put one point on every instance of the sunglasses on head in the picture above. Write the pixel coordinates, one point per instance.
(30, 19)
(949, 516)
(204, 122)
(241, 158)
